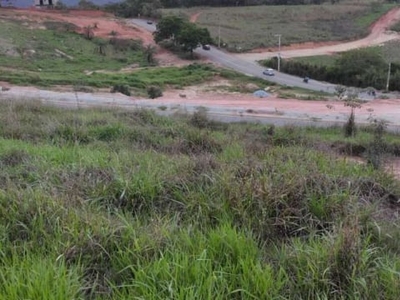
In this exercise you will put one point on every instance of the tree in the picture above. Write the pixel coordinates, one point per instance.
(352, 65)
(182, 32)
(191, 36)
(168, 28)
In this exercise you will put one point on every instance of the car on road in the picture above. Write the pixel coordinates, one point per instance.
(206, 47)
(149, 22)
(269, 72)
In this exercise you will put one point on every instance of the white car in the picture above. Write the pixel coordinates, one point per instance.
(269, 72)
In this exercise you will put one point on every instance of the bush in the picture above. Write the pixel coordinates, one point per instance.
(123, 89)
(199, 118)
(154, 92)
(120, 44)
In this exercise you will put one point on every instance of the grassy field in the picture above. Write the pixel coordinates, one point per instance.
(244, 28)
(31, 56)
(110, 204)
(320, 60)
(25, 48)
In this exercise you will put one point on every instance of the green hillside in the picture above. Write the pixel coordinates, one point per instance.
(112, 204)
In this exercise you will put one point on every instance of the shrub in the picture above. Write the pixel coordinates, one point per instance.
(154, 92)
(120, 88)
(199, 118)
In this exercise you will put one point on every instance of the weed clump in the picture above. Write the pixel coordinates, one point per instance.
(120, 88)
(154, 92)
(199, 118)
(350, 128)
(377, 147)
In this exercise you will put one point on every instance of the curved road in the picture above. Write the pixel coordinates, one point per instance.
(250, 68)
(246, 62)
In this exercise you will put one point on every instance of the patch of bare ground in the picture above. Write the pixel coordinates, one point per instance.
(193, 18)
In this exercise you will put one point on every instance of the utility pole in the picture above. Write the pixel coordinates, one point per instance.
(388, 78)
(279, 51)
(219, 32)
(219, 36)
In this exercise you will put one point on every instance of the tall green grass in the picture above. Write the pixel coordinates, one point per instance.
(46, 67)
(112, 204)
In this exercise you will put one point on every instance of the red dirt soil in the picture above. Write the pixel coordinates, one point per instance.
(378, 28)
(193, 18)
(82, 18)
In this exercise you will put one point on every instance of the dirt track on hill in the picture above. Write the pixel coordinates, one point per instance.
(378, 34)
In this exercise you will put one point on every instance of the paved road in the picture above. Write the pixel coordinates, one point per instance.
(249, 68)
(252, 68)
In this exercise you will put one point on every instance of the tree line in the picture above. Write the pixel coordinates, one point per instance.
(359, 68)
(191, 3)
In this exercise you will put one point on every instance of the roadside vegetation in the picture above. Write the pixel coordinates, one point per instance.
(246, 28)
(364, 68)
(113, 204)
